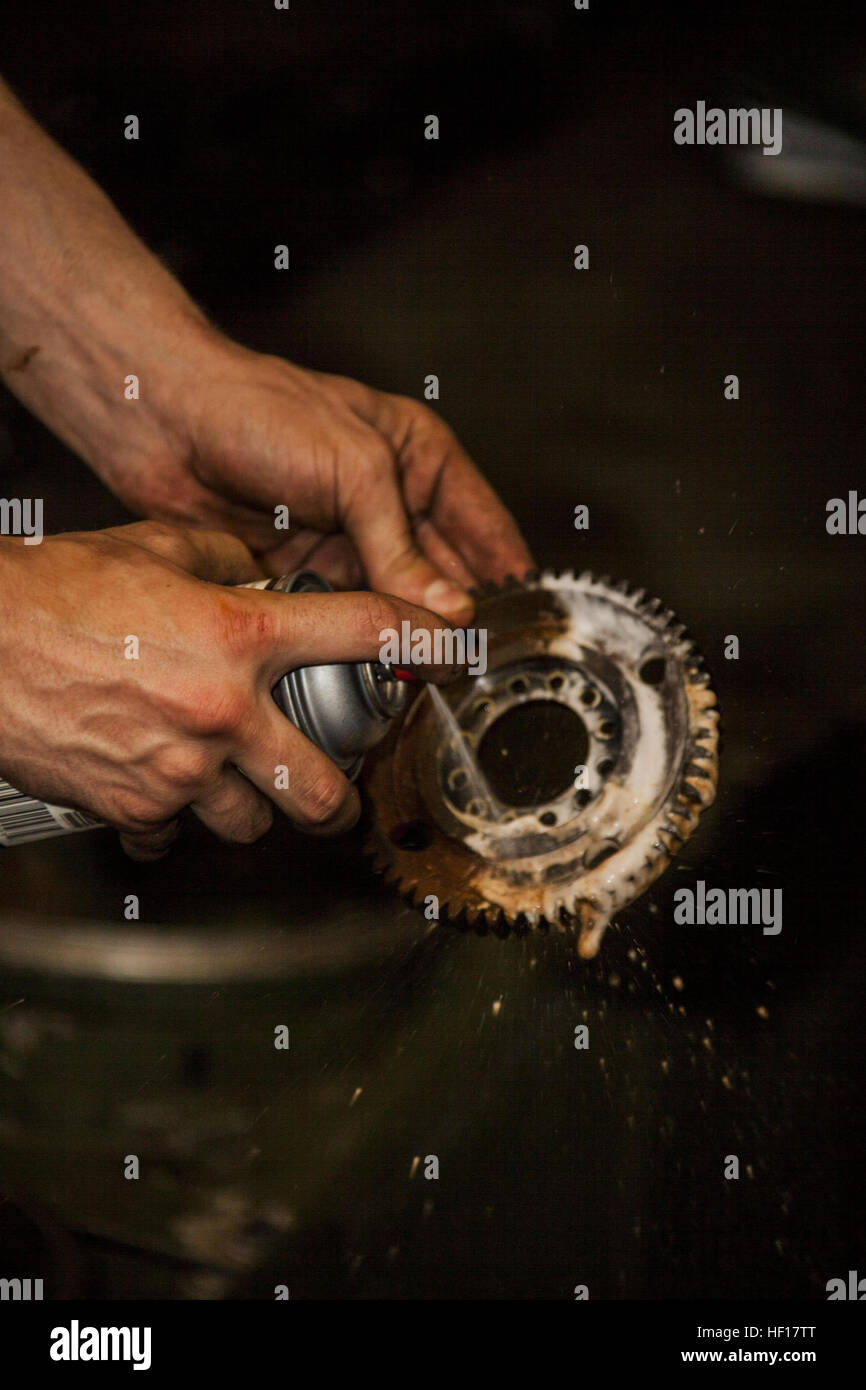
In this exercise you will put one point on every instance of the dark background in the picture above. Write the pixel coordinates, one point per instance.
(604, 387)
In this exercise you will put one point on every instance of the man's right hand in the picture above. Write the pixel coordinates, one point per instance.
(133, 739)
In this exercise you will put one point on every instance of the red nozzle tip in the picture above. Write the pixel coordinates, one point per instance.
(401, 674)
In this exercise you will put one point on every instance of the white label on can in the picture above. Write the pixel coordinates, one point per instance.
(23, 818)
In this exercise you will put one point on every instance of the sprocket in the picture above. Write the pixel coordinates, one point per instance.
(596, 732)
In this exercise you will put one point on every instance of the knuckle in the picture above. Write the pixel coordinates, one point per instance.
(252, 825)
(183, 766)
(218, 710)
(243, 621)
(160, 530)
(323, 797)
(378, 458)
(161, 537)
(423, 419)
(421, 414)
(138, 811)
(380, 613)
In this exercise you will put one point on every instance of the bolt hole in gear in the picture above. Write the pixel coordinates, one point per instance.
(595, 734)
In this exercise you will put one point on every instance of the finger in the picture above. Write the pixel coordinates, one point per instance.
(441, 554)
(441, 481)
(374, 515)
(152, 843)
(220, 558)
(210, 555)
(334, 557)
(291, 553)
(233, 809)
(295, 630)
(319, 799)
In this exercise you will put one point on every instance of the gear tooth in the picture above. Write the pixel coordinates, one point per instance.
(479, 923)
(501, 927)
(564, 916)
(413, 892)
(470, 913)
(535, 920)
(452, 914)
(548, 577)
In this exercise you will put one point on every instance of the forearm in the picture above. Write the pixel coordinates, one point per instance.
(83, 305)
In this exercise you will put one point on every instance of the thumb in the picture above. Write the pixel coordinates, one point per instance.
(214, 556)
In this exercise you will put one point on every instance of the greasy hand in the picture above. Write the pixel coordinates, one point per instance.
(378, 488)
(135, 739)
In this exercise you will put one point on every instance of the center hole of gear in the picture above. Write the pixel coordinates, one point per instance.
(528, 755)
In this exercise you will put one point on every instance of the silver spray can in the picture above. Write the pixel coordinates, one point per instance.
(344, 708)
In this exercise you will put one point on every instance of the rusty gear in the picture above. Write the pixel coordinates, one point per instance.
(620, 683)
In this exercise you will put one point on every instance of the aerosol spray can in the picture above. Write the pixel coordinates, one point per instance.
(344, 708)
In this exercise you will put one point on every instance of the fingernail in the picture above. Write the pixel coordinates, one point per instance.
(447, 599)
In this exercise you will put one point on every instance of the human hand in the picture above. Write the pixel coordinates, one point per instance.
(378, 488)
(134, 684)
(99, 339)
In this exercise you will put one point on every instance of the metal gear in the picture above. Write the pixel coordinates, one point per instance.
(596, 732)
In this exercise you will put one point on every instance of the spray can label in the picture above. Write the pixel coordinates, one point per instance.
(23, 818)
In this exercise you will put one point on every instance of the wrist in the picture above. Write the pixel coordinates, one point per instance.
(114, 377)
(84, 307)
